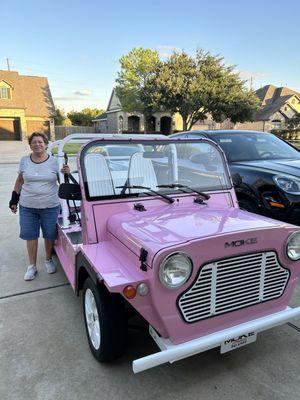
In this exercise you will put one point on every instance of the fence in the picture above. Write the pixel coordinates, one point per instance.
(63, 131)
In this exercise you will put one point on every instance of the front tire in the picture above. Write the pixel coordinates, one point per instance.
(105, 322)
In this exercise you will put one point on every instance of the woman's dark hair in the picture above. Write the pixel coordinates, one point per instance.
(38, 134)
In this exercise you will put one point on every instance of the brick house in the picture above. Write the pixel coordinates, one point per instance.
(278, 105)
(115, 120)
(26, 106)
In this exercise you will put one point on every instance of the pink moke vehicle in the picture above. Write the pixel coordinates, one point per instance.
(159, 232)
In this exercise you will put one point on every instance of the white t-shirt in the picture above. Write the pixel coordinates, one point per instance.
(39, 189)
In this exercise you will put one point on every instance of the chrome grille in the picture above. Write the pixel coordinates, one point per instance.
(234, 283)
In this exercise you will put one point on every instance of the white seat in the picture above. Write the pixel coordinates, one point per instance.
(98, 175)
(141, 172)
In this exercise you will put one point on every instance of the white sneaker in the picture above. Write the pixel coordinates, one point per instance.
(50, 267)
(30, 273)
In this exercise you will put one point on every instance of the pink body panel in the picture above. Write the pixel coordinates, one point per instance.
(168, 225)
(104, 213)
(208, 250)
(202, 237)
(114, 233)
(198, 230)
(66, 252)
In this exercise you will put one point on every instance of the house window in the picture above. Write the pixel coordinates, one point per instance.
(5, 93)
(121, 122)
(277, 124)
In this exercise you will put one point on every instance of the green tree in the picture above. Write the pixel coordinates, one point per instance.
(60, 117)
(84, 117)
(201, 86)
(294, 122)
(138, 68)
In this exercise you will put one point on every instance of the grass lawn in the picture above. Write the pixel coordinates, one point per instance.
(71, 148)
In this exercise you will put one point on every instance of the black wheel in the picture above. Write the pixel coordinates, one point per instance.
(248, 205)
(105, 323)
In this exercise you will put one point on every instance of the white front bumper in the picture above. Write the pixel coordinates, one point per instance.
(171, 352)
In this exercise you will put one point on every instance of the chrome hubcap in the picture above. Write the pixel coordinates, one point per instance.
(92, 318)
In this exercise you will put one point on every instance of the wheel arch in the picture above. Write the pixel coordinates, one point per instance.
(84, 270)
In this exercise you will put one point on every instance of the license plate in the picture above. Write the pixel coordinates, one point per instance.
(239, 341)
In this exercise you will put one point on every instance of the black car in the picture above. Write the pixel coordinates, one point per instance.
(269, 169)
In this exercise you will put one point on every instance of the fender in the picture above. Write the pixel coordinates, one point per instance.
(83, 264)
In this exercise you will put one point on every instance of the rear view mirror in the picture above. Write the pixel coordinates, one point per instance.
(69, 191)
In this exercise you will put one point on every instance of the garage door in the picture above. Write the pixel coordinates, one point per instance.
(38, 126)
(7, 129)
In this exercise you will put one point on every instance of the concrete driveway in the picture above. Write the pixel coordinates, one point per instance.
(44, 353)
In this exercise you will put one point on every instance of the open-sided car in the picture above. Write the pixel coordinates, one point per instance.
(268, 166)
(163, 238)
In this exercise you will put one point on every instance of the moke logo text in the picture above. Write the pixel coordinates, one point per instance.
(239, 338)
(242, 242)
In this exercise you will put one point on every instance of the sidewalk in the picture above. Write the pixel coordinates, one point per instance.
(12, 151)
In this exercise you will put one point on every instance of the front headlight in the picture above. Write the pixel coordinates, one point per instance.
(287, 183)
(175, 270)
(293, 246)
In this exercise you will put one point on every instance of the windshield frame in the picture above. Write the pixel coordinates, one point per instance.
(145, 142)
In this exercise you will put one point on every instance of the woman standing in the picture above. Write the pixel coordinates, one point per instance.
(36, 189)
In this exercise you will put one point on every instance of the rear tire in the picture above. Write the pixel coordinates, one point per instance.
(105, 323)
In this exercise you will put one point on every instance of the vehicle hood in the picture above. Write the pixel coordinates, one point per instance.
(171, 225)
(286, 166)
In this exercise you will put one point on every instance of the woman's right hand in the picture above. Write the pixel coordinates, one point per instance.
(13, 202)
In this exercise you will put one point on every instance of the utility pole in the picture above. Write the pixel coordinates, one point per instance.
(251, 82)
(8, 66)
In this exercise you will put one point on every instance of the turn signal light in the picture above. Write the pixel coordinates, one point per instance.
(276, 204)
(129, 292)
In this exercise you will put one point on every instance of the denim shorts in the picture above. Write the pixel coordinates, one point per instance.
(32, 219)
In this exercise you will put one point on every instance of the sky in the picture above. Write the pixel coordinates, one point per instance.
(77, 44)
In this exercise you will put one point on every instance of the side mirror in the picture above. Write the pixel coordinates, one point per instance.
(69, 191)
(236, 179)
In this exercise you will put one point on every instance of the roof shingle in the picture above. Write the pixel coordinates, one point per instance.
(272, 99)
(31, 93)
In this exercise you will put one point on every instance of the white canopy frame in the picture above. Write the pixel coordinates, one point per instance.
(82, 138)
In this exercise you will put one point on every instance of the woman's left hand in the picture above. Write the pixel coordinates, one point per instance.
(65, 169)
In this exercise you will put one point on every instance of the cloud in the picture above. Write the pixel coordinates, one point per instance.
(67, 98)
(83, 92)
(166, 51)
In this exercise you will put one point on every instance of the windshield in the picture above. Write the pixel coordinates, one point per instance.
(254, 146)
(196, 164)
